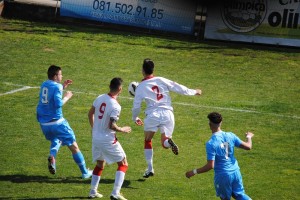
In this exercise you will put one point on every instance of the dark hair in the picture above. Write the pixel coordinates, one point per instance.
(148, 66)
(115, 83)
(52, 71)
(215, 117)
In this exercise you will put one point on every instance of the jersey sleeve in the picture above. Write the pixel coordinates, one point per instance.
(136, 105)
(237, 140)
(210, 151)
(58, 92)
(115, 113)
(178, 88)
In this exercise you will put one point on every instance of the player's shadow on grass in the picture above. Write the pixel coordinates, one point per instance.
(50, 198)
(20, 178)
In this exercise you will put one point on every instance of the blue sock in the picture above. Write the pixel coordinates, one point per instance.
(79, 159)
(55, 145)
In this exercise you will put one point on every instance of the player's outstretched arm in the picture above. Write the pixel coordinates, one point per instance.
(125, 129)
(248, 144)
(67, 96)
(113, 126)
(208, 166)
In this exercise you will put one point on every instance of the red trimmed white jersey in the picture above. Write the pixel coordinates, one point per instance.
(106, 107)
(155, 91)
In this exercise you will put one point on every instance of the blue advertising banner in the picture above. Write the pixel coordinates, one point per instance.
(167, 15)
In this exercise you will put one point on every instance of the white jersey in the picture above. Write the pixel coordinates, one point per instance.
(155, 91)
(106, 107)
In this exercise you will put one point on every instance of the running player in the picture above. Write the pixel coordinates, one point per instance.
(220, 157)
(55, 128)
(159, 111)
(103, 117)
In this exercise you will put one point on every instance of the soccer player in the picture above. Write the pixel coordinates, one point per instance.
(220, 157)
(54, 126)
(159, 111)
(103, 117)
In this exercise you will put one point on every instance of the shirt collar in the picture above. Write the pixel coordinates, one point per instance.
(148, 77)
(114, 97)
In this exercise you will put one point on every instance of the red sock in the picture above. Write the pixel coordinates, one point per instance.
(148, 144)
(97, 171)
(122, 168)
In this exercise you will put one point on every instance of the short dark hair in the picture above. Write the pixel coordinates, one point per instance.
(148, 66)
(215, 117)
(52, 71)
(115, 83)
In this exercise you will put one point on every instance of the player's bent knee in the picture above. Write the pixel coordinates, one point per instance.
(74, 148)
(122, 168)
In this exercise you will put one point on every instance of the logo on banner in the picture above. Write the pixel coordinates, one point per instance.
(243, 15)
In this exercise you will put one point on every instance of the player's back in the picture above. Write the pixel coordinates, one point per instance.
(106, 107)
(222, 144)
(50, 102)
(155, 91)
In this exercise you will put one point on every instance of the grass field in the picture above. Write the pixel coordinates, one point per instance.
(256, 88)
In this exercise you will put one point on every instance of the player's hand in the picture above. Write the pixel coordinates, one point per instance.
(68, 94)
(189, 174)
(139, 122)
(67, 83)
(198, 92)
(249, 134)
(126, 129)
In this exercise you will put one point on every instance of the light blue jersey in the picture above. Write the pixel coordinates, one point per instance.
(50, 102)
(220, 148)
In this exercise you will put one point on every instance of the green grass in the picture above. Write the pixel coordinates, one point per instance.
(256, 88)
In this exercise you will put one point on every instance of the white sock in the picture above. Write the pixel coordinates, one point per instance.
(166, 143)
(119, 179)
(149, 158)
(95, 183)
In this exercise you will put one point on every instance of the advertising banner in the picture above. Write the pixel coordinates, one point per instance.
(167, 15)
(259, 21)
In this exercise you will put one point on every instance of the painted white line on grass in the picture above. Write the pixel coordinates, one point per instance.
(17, 90)
(176, 103)
(217, 108)
(237, 110)
(210, 107)
(213, 107)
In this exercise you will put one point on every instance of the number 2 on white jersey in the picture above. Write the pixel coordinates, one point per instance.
(45, 95)
(155, 89)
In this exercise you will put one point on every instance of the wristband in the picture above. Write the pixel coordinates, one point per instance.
(248, 136)
(195, 171)
(65, 99)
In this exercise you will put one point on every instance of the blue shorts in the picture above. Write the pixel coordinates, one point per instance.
(59, 130)
(228, 185)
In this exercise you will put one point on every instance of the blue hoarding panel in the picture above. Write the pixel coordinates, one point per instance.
(167, 15)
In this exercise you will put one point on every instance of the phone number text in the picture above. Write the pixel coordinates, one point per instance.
(128, 9)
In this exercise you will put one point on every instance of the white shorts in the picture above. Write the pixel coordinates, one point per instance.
(108, 151)
(161, 119)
